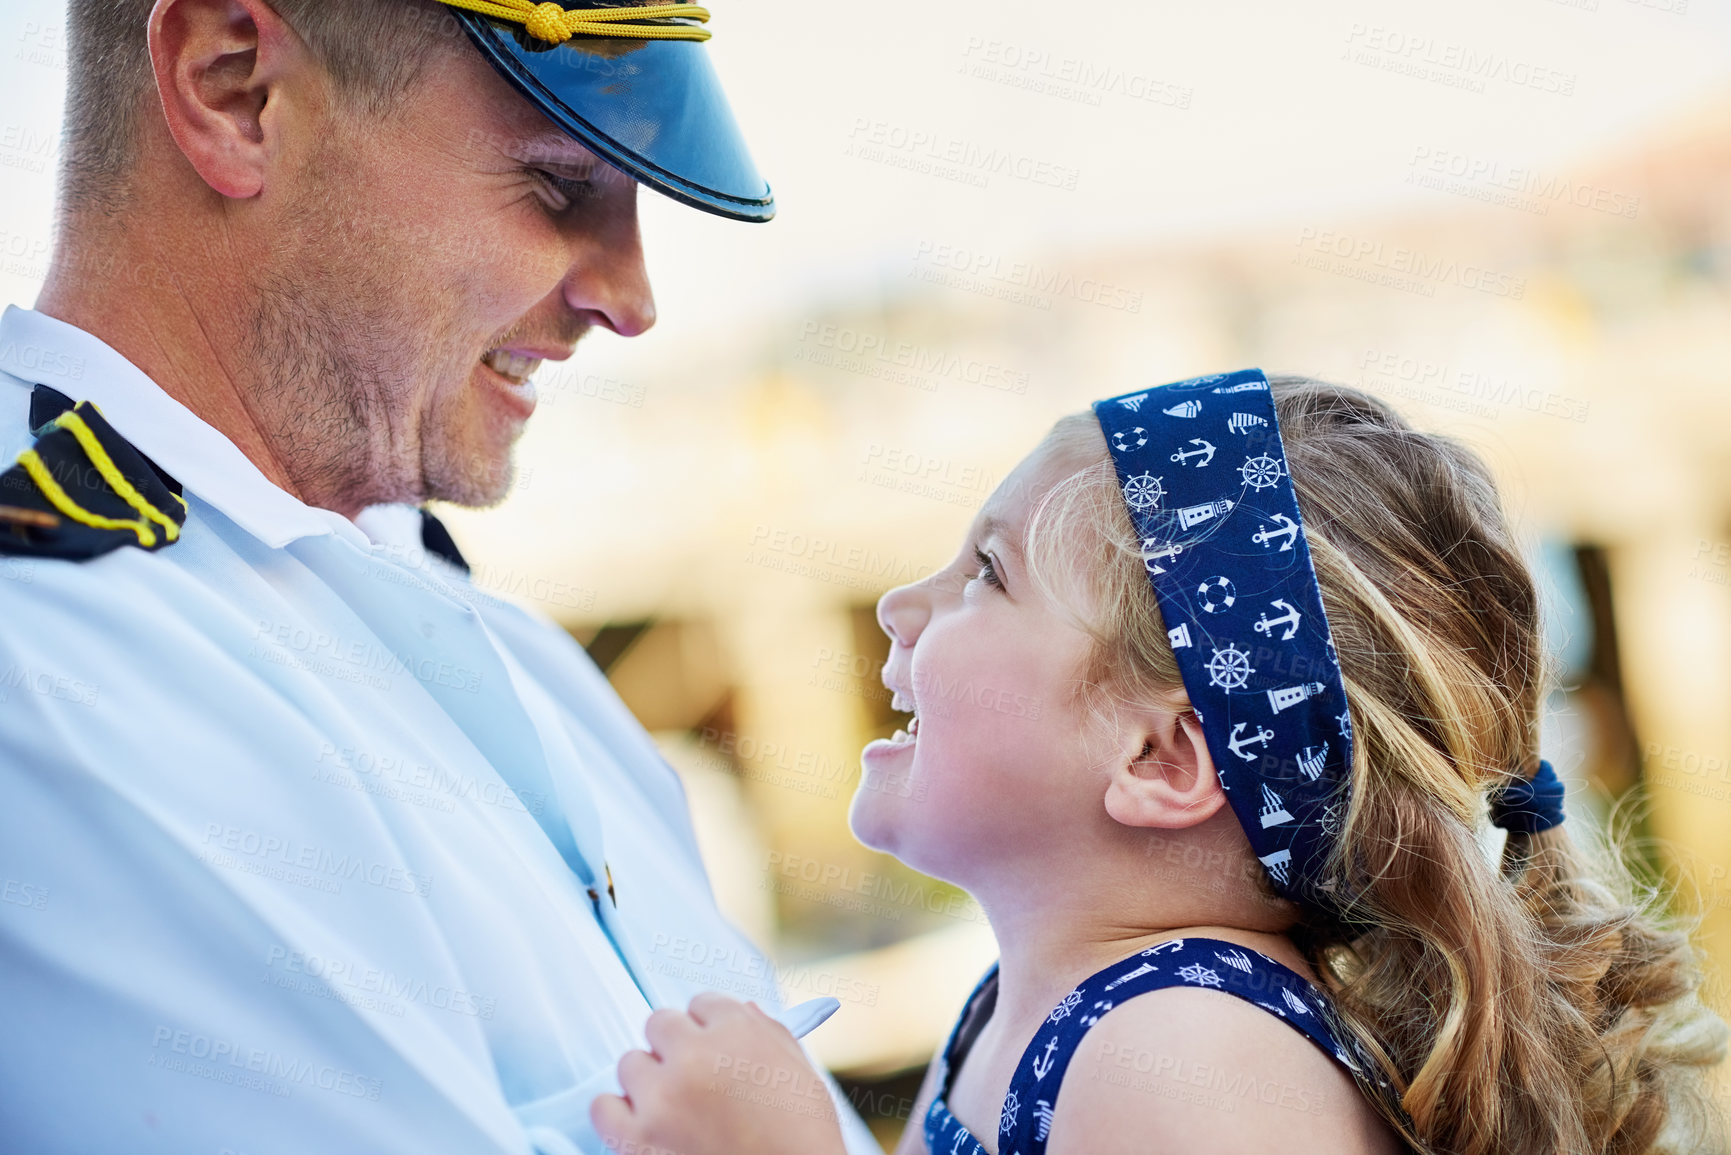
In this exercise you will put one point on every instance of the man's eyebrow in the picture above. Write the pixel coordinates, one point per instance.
(554, 147)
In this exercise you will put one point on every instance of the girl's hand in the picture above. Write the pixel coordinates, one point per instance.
(724, 1079)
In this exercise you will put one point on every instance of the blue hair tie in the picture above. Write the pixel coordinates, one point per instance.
(1530, 805)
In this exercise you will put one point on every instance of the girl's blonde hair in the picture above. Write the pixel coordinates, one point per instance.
(1548, 1005)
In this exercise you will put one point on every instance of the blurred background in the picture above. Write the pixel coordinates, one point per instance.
(1511, 218)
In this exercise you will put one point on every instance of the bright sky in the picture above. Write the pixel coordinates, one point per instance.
(1169, 120)
(1281, 122)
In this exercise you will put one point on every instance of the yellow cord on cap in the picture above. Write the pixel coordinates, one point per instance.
(556, 25)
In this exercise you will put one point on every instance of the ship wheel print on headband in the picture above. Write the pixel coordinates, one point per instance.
(1204, 478)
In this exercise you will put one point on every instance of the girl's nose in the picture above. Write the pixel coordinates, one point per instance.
(904, 612)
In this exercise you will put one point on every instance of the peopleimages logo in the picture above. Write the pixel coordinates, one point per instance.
(349, 981)
(823, 558)
(353, 660)
(1457, 65)
(1465, 390)
(1366, 258)
(1021, 282)
(40, 359)
(47, 684)
(859, 351)
(1512, 186)
(937, 153)
(301, 863)
(1034, 69)
(710, 963)
(206, 1056)
(865, 892)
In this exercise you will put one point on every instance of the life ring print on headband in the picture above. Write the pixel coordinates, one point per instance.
(1205, 482)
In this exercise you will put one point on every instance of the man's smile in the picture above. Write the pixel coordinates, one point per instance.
(513, 366)
(508, 371)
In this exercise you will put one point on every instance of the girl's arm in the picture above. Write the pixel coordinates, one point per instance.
(723, 1079)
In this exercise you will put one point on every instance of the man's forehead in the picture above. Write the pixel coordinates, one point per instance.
(502, 120)
(545, 144)
(544, 141)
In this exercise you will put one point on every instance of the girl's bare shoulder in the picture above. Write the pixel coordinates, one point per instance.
(1187, 1069)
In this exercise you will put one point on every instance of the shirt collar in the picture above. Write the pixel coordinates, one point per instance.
(39, 350)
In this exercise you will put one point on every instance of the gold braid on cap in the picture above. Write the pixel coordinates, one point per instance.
(556, 24)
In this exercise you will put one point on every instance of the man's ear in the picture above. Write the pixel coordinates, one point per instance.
(1164, 776)
(219, 65)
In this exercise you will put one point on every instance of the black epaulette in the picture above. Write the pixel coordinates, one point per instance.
(82, 489)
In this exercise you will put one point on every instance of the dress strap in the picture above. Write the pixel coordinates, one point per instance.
(1208, 963)
(944, 1133)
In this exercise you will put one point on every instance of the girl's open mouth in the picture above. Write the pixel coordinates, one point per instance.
(906, 703)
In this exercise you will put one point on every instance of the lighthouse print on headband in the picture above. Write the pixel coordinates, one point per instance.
(1204, 478)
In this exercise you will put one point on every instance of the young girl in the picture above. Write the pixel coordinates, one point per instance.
(1236, 861)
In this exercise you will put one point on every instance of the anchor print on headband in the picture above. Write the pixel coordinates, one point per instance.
(1205, 481)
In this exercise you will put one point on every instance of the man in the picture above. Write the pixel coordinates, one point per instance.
(306, 845)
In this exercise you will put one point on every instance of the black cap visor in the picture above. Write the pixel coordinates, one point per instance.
(653, 108)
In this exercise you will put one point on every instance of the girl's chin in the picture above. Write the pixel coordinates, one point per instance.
(885, 788)
(871, 825)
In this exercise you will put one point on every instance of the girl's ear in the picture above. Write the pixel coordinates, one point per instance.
(1164, 777)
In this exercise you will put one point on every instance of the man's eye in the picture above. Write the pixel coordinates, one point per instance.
(563, 191)
(988, 572)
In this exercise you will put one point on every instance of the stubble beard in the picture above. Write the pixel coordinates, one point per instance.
(337, 394)
(349, 346)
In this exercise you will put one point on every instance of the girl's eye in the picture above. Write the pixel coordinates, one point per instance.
(988, 572)
(563, 191)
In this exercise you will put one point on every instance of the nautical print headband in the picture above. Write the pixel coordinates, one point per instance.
(1204, 476)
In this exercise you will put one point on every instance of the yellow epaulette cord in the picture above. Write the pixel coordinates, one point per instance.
(41, 473)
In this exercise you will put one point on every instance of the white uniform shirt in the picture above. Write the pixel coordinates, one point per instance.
(296, 831)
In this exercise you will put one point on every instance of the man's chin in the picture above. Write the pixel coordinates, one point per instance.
(467, 448)
(473, 480)
(471, 495)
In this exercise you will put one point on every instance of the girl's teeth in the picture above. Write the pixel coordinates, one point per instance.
(901, 736)
(511, 365)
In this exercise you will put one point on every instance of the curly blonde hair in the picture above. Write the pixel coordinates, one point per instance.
(1546, 1004)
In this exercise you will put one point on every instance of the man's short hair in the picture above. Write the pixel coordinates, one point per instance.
(373, 50)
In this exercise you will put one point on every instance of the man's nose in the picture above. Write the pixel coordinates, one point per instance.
(904, 612)
(607, 278)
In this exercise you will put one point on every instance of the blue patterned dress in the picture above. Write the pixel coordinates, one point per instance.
(1181, 962)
